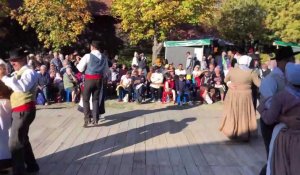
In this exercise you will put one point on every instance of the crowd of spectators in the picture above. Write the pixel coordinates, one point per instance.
(60, 81)
(169, 82)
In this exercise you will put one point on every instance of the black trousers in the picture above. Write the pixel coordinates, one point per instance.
(156, 93)
(19, 144)
(266, 132)
(91, 87)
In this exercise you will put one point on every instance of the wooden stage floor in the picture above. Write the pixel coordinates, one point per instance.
(148, 139)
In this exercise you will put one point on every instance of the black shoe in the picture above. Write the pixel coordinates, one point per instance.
(95, 122)
(33, 168)
(85, 125)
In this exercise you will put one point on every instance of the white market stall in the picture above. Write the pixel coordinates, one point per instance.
(175, 51)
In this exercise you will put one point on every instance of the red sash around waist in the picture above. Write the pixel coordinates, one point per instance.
(93, 77)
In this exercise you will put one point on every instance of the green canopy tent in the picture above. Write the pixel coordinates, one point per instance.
(295, 46)
(176, 50)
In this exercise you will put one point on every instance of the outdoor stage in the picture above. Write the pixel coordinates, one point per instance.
(148, 139)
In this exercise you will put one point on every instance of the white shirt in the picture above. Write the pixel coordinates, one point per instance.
(26, 82)
(156, 79)
(125, 81)
(134, 61)
(180, 72)
(81, 66)
(196, 73)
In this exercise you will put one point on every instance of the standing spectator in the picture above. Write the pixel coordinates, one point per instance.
(135, 59)
(239, 120)
(66, 64)
(122, 71)
(189, 63)
(43, 83)
(142, 64)
(264, 71)
(203, 63)
(156, 85)
(70, 81)
(56, 62)
(38, 62)
(22, 100)
(232, 60)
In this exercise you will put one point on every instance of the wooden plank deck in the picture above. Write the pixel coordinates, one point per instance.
(148, 139)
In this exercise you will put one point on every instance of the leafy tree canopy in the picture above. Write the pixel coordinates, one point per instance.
(145, 19)
(4, 9)
(283, 19)
(56, 22)
(240, 19)
(155, 19)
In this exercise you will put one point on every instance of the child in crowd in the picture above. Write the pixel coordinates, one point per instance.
(206, 82)
(183, 91)
(169, 89)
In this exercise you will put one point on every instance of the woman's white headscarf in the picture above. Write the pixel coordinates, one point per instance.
(244, 62)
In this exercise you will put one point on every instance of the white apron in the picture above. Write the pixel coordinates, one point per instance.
(5, 124)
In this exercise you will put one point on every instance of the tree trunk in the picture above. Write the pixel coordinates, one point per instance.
(157, 46)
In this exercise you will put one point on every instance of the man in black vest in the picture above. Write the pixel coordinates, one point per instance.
(95, 67)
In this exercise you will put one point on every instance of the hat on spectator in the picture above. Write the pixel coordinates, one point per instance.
(292, 72)
(17, 54)
(284, 53)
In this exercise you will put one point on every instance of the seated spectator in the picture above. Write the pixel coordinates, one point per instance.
(148, 81)
(180, 70)
(43, 83)
(206, 84)
(211, 68)
(138, 85)
(113, 77)
(169, 89)
(156, 85)
(125, 86)
(196, 75)
(56, 85)
(218, 85)
(70, 81)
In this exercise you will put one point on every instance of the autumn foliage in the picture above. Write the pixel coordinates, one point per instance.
(56, 22)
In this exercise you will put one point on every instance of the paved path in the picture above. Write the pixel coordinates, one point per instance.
(149, 139)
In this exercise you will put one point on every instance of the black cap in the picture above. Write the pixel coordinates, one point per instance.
(96, 44)
(284, 53)
(17, 54)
